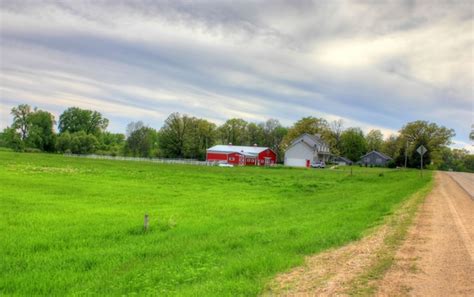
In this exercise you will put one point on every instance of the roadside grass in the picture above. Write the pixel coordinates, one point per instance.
(73, 226)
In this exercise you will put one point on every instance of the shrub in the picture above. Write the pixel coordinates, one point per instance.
(77, 143)
(391, 164)
(31, 150)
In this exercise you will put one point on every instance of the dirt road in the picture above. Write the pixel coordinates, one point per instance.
(437, 258)
(465, 180)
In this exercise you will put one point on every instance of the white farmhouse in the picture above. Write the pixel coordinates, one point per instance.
(305, 150)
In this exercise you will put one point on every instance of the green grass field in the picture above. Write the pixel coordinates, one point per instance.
(72, 226)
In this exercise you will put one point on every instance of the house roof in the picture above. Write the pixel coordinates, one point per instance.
(245, 150)
(310, 139)
(343, 159)
(379, 154)
(315, 142)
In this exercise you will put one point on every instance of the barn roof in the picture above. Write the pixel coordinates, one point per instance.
(246, 150)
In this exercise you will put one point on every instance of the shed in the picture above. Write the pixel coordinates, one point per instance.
(339, 160)
(375, 158)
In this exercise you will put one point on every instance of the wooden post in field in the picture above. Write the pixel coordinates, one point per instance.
(146, 222)
(351, 170)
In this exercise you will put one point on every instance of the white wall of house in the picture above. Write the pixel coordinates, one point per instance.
(297, 155)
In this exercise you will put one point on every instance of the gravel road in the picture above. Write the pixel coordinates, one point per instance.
(437, 259)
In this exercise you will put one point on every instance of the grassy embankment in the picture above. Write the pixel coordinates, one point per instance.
(74, 226)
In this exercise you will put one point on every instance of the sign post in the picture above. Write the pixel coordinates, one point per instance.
(421, 150)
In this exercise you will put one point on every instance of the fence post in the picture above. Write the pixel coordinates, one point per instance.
(146, 223)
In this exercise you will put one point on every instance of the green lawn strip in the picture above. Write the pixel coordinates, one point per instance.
(399, 223)
(73, 226)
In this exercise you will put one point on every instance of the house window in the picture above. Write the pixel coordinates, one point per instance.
(231, 159)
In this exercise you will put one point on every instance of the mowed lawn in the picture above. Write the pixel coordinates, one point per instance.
(71, 226)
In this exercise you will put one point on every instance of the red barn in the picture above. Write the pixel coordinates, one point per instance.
(241, 155)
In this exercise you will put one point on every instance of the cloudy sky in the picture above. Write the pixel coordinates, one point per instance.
(375, 64)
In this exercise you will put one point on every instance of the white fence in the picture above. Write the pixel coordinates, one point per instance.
(153, 160)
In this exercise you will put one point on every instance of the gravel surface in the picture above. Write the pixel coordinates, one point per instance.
(437, 259)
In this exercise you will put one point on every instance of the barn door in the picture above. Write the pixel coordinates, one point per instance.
(267, 161)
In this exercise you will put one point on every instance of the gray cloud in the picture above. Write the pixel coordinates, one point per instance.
(374, 64)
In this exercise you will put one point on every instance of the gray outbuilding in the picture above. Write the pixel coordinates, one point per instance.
(375, 158)
(339, 160)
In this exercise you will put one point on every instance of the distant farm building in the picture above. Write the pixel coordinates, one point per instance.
(306, 149)
(339, 160)
(375, 158)
(241, 155)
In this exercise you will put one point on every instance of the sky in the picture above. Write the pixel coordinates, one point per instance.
(374, 64)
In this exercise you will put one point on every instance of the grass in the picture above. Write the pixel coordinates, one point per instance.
(73, 226)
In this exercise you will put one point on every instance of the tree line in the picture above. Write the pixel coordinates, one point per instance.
(82, 131)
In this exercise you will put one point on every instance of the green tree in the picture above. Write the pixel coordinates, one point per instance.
(374, 140)
(21, 122)
(332, 136)
(310, 125)
(353, 144)
(274, 133)
(201, 135)
(174, 134)
(41, 133)
(414, 158)
(3, 142)
(391, 146)
(63, 143)
(31, 129)
(469, 163)
(76, 143)
(75, 119)
(83, 143)
(111, 143)
(11, 138)
(142, 142)
(454, 159)
(234, 131)
(432, 136)
(133, 126)
(255, 134)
